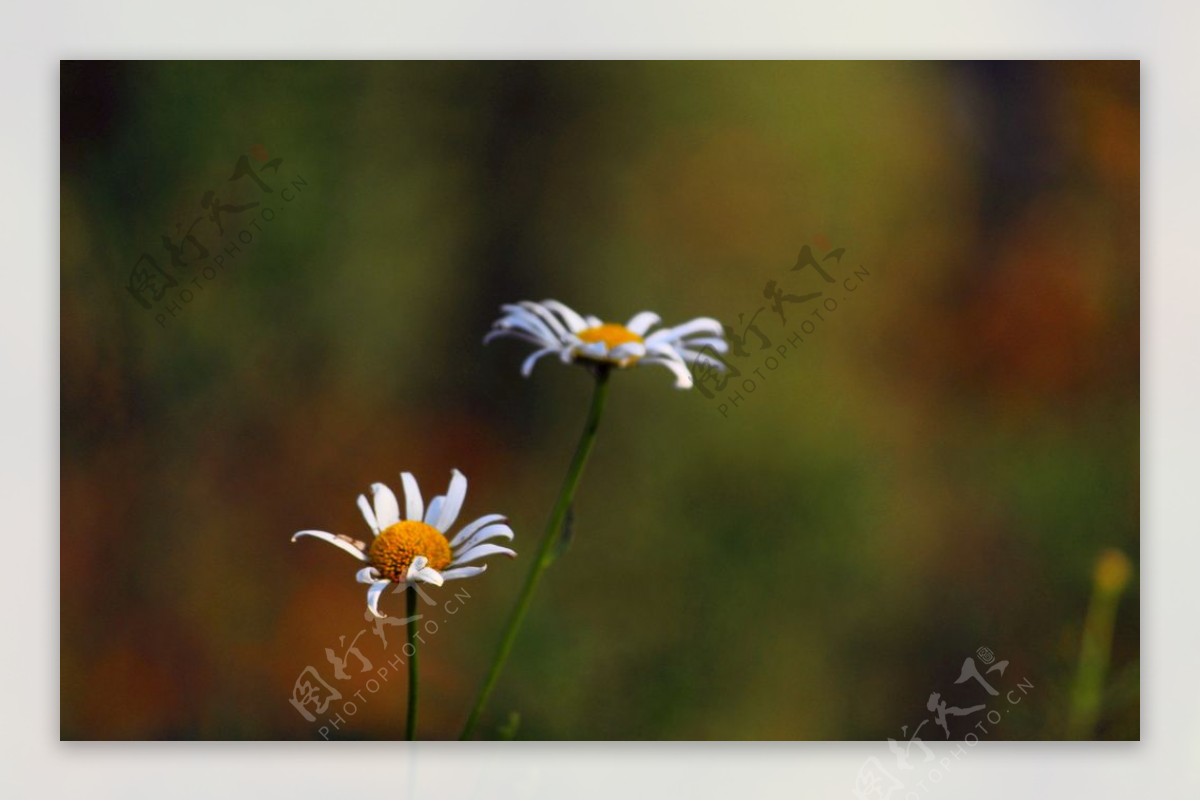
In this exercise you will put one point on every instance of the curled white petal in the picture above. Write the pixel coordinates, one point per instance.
(521, 335)
(699, 343)
(373, 594)
(472, 527)
(627, 350)
(333, 539)
(546, 316)
(522, 318)
(694, 357)
(414, 507)
(387, 511)
(462, 572)
(521, 329)
(496, 531)
(419, 570)
(641, 322)
(706, 325)
(527, 365)
(520, 321)
(683, 378)
(455, 496)
(666, 350)
(575, 323)
(479, 552)
(368, 575)
(368, 513)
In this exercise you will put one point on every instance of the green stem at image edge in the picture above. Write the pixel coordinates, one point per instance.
(410, 726)
(546, 552)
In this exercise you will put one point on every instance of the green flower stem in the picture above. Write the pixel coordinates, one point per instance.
(410, 726)
(546, 552)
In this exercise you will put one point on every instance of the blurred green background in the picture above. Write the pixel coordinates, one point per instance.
(934, 470)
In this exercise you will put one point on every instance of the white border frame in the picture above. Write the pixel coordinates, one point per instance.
(35, 36)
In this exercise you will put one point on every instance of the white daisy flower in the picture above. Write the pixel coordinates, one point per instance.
(416, 549)
(554, 327)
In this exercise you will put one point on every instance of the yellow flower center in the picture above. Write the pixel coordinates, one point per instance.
(395, 548)
(611, 334)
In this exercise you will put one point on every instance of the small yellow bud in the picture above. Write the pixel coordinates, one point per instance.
(1113, 571)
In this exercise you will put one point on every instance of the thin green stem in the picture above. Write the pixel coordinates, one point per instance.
(410, 726)
(545, 554)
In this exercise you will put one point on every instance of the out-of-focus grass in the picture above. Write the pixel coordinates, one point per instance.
(1111, 576)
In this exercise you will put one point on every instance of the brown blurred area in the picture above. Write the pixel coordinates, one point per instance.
(934, 470)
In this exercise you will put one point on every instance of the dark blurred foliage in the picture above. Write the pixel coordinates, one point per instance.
(934, 470)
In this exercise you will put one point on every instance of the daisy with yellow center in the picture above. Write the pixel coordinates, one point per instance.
(554, 327)
(416, 549)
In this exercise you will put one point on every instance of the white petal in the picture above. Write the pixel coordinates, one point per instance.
(420, 571)
(596, 350)
(521, 335)
(373, 597)
(699, 343)
(546, 316)
(574, 322)
(479, 552)
(472, 527)
(414, 507)
(387, 511)
(429, 576)
(683, 378)
(434, 509)
(333, 539)
(593, 321)
(526, 320)
(522, 317)
(708, 325)
(520, 321)
(462, 572)
(705, 325)
(454, 501)
(694, 357)
(368, 513)
(627, 350)
(664, 350)
(498, 530)
(640, 323)
(368, 575)
(527, 365)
